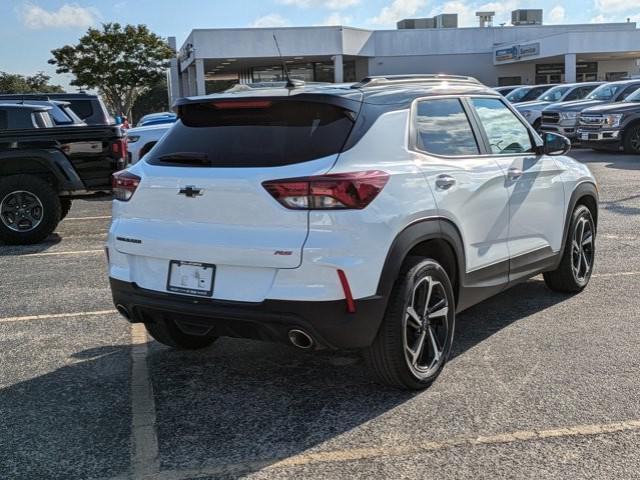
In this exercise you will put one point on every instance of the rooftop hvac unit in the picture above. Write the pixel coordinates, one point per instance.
(526, 17)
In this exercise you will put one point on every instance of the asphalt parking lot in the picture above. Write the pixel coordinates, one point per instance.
(541, 385)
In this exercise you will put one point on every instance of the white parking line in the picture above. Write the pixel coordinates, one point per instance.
(101, 217)
(53, 254)
(57, 315)
(615, 274)
(144, 440)
(354, 454)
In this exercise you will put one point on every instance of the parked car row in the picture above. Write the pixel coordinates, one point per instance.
(602, 116)
(53, 148)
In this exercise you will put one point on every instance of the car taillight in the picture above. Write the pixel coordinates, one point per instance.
(119, 148)
(354, 190)
(124, 185)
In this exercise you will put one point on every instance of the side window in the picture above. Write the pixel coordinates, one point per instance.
(82, 108)
(628, 91)
(442, 128)
(506, 134)
(4, 124)
(575, 94)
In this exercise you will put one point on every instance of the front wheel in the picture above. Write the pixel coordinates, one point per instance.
(631, 139)
(29, 209)
(576, 265)
(415, 338)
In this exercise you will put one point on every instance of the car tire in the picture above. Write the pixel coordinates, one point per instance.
(168, 333)
(32, 221)
(576, 266)
(65, 207)
(631, 139)
(403, 352)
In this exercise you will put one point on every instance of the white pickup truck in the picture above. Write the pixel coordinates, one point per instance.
(142, 139)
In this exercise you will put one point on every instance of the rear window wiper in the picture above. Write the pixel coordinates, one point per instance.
(186, 158)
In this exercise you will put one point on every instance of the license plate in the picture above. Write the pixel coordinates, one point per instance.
(584, 136)
(192, 278)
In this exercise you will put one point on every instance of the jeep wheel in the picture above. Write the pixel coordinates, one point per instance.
(631, 139)
(415, 338)
(29, 209)
(168, 333)
(65, 206)
(576, 266)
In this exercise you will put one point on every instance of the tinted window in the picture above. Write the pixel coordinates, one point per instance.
(83, 108)
(534, 93)
(3, 120)
(60, 117)
(505, 132)
(518, 94)
(442, 128)
(554, 94)
(634, 97)
(628, 91)
(575, 94)
(261, 133)
(605, 92)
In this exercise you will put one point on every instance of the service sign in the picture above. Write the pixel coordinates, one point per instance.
(529, 50)
(510, 53)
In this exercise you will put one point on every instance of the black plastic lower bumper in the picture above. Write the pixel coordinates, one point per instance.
(329, 323)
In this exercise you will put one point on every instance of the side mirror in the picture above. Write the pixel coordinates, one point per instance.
(555, 144)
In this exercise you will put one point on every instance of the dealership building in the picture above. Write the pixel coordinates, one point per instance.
(525, 52)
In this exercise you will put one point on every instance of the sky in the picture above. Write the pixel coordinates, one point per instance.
(32, 28)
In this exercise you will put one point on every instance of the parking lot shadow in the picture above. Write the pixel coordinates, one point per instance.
(234, 408)
(615, 160)
(71, 423)
(240, 406)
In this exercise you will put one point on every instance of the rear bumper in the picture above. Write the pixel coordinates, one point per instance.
(328, 322)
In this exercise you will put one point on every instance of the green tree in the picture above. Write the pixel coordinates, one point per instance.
(156, 99)
(120, 62)
(38, 83)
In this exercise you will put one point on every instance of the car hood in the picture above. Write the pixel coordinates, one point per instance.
(575, 106)
(532, 105)
(618, 107)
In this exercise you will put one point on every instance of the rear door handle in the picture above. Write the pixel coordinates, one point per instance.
(444, 182)
(514, 173)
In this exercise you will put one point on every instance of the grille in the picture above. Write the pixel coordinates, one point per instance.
(590, 120)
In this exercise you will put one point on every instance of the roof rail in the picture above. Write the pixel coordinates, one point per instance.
(417, 78)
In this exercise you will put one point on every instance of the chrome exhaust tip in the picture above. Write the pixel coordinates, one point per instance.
(300, 339)
(123, 311)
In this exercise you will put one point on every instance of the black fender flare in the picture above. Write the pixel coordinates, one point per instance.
(586, 189)
(52, 161)
(431, 228)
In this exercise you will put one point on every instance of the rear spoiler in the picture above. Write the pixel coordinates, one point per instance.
(350, 101)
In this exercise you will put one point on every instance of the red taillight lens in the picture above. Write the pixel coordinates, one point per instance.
(354, 190)
(119, 148)
(233, 104)
(124, 185)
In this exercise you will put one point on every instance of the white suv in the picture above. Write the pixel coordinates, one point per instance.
(346, 217)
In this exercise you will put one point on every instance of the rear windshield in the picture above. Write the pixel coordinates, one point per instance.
(83, 108)
(253, 133)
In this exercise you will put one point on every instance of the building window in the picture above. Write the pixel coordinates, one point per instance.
(506, 81)
(613, 76)
(308, 72)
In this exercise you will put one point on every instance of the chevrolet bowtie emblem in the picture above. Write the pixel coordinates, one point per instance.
(190, 191)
